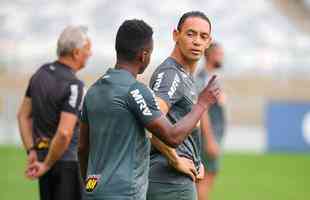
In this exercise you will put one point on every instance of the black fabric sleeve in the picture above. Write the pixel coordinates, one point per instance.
(28, 90)
(73, 97)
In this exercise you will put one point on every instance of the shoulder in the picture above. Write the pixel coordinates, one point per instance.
(68, 78)
(139, 90)
(40, 74)
(167, 65)
(76, 81)
(139, 86)
(42, 69)
(164, 72)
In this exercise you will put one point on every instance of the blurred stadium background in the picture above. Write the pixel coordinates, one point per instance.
(265, 76)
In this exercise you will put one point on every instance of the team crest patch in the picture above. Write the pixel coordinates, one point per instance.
(92, 182)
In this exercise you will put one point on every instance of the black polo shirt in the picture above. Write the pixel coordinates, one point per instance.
(53, 89)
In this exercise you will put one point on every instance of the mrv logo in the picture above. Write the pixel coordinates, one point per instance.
(158, 81)
(141, 102)
(174, 86)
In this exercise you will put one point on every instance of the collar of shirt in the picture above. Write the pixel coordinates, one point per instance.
(181, 68)
(66, 67)
(120, 71)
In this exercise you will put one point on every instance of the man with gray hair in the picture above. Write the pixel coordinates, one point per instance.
(48, 118)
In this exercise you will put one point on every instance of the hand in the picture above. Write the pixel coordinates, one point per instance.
(36, 170)
(210, 93)
(222, 99)
(185, 166)
(201, 172)
(32, 157)
(213, 149)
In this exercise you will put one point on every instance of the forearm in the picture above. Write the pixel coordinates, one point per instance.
(207, 97)
(57, 148)
(206, 128)
(169, 152)
(24, 117)
(25, 128)
(184, 127)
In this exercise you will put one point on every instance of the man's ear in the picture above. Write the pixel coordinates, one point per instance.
(210, 42)
(175, 35)
(144, 54)
(75, 53)
(141, 56)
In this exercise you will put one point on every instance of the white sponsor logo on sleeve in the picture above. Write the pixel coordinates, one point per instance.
(158, 81)
(155, 100)
(141, 102)
(74, 95)
(174, 86)
(52, 67)
(83, 96)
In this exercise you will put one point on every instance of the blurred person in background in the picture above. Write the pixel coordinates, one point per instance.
(215, 121)
(173, 171)
(48, 118)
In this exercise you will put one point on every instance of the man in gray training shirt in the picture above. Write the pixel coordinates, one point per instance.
(173, 172)
(114, 148)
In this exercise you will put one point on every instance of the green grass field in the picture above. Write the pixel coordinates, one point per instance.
(243, 177)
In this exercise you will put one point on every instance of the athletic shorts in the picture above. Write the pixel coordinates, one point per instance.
(211, 165)
(167, 191)
(61, 182)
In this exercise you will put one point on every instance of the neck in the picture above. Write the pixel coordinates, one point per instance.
(69, 62)
(131, 67)
(188, 65)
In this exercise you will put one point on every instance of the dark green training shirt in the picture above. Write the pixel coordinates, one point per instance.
(176, 87)
(117, 108)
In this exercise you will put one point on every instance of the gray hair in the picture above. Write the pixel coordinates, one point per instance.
(72, 37)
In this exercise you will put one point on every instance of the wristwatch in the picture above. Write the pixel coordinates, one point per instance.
(30, 149)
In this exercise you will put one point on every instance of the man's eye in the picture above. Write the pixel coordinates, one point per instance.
(204, 37)
(190, 34)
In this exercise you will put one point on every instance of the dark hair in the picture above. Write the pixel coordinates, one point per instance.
(192, 14)
(212, 46)
(132, 36)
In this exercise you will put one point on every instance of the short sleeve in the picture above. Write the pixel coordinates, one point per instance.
(73, 99)
(167, 85)
(28, 90)
(142, 102)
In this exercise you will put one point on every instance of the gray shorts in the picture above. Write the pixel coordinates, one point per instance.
(166, 191)
(211, 165)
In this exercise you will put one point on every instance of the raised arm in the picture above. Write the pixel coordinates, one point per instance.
(174, 134)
